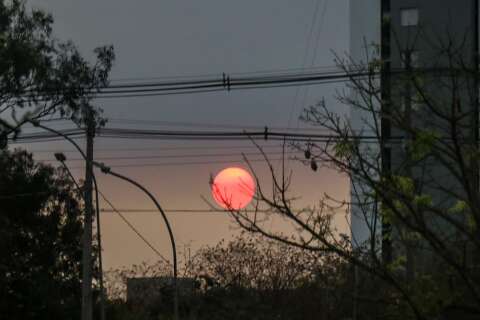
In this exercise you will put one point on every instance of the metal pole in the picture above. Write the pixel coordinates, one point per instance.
(100, 260)
(87, 310)
(99, 238)
(355, 292)
(107, 170)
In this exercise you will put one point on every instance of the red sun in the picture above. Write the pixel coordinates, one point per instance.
(233, 188)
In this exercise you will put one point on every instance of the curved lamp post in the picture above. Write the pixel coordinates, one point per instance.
(107, 170)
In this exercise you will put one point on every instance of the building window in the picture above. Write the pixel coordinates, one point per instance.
(409, 17)
(412, 100)
(410, 58)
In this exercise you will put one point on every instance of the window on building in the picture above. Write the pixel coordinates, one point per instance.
(414, 100)
(411, 58)
(409, 17)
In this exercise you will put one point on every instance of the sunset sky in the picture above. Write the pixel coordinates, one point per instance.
(158, 40)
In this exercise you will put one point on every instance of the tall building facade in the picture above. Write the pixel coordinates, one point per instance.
(406, 34)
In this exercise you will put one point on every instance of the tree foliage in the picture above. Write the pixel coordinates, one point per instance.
(40, 237)
(40, 75)
(245, 278)
(413, 165)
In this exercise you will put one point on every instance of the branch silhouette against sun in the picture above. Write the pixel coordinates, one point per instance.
(425, 206)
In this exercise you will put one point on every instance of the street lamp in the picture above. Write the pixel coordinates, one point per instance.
(107, 170)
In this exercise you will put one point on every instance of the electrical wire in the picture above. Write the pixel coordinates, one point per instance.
(314, 56)
(208, 75)
(163, 164)
(159, 123)
(220, 89)
(179, 156)
(103, 196)
(132, 227)
(265, 134)
(192, 135)
(204, 125)
(226, 83)
(182, 148)
(202, 211)
(304, 59)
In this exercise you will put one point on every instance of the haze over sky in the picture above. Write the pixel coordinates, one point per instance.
(187, 38)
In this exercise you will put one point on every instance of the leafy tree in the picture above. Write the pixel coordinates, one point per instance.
(40, 217)
(245, 278)
(255, 278)
(40, 75)
(40, 236)
(413, 164)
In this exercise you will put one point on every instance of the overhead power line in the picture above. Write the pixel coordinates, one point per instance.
(176, 163)
(132, 227)
(181, 92)
(210, 125)
(121, 133)
(278, 71)
(264, 134)
(162, 149)
(305, 54)
(223, 83)
(227, 82)
(205, 211)
(179, 156)
(207, 125)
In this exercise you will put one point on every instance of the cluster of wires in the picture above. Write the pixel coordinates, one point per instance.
(224, 82)
(194, 158)
(121, 133)
(46, 136)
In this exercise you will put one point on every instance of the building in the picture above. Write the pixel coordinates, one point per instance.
(145, 291)
(407, 34)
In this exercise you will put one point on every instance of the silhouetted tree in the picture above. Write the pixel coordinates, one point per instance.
(412, 157)
(40, 75)
(40, 240)
(245, 278)
(255, 278)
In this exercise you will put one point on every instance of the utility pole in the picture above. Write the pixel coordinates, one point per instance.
(99, 241)
(87, 309)
(355, 292)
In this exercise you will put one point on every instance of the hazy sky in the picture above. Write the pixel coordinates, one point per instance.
(170, 38)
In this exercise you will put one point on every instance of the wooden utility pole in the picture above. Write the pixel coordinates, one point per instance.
(87, 309)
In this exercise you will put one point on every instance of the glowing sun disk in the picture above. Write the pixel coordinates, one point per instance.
(233, 188)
